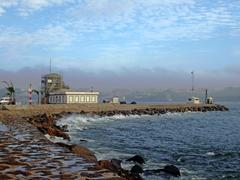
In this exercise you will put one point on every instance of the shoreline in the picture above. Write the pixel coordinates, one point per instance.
(41, 120)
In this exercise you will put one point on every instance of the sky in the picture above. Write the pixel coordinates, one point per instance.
(121, 43)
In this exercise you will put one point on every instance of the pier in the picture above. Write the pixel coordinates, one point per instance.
(110, 109)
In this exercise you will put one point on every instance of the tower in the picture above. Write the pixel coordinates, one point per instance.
(50, 83)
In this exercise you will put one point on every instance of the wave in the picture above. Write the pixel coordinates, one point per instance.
(81, 122)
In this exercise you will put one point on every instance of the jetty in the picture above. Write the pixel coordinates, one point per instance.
(110, 109)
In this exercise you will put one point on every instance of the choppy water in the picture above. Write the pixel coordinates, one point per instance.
(202, 145)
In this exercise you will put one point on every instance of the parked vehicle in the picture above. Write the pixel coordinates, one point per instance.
(194, 100)
(5, 100)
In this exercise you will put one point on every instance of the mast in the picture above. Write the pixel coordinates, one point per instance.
(193, 88)
(50, 66)
(206, 95)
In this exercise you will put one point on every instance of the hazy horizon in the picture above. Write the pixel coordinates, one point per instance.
(126, 79)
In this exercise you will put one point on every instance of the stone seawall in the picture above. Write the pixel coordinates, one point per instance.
(111, 109)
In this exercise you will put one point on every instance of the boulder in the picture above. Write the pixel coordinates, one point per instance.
(137, 159)
(171, 169)
(83, 152)
(113, 165)
(136, 169)
(80, 151)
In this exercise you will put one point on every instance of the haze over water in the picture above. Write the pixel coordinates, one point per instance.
(202, 145)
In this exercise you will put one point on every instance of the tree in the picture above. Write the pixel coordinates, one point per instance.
(11, 93)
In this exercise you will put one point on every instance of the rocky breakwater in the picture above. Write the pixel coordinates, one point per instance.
(26, 154)
(103, 169)
(163, 110)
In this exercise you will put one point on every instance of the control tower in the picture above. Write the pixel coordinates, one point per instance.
(50, 83)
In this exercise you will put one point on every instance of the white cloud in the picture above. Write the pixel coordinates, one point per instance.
(160, 20)
(25, 7)
(4, 4)
(17, 42)
(29, 6)
(123, 27)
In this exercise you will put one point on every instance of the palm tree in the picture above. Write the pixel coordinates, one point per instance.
(11, 93)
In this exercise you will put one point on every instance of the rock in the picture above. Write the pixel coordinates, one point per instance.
(89, 175)
(64, 145)
(83, 152)
(80, 151)
(136, 169)
(13, 162)
(4, 166)
(171, 169)
(116, 163)
(106, 164)
(7, 176)
(24, 173)
(137, 159)
(113, 165)
(56, 132)
(47, 125)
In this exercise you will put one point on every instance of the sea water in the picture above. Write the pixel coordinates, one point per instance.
(202, 145)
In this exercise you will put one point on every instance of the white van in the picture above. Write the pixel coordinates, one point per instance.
(5, 100)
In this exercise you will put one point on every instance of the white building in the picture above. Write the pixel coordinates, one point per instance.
(115, 100)
(69, 97)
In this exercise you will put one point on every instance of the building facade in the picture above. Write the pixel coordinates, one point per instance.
(50, 83)
(69, 97)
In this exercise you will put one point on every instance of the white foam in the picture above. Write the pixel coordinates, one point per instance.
(55, 139)
(210, 153)
(81, 122)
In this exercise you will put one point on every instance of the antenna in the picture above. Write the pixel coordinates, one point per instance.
(206, 95)
(192, 73)
(50, 66)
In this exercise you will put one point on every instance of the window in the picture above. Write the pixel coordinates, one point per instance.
(88, 98)
(70, 98)
(93, 99)
(82, 99)
(76, 99)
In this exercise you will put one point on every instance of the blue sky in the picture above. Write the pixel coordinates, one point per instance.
(122, 35)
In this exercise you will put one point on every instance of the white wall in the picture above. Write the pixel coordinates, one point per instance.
(71, 99)
(82, 98)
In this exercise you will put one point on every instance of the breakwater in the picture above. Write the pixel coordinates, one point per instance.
(111, 109)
